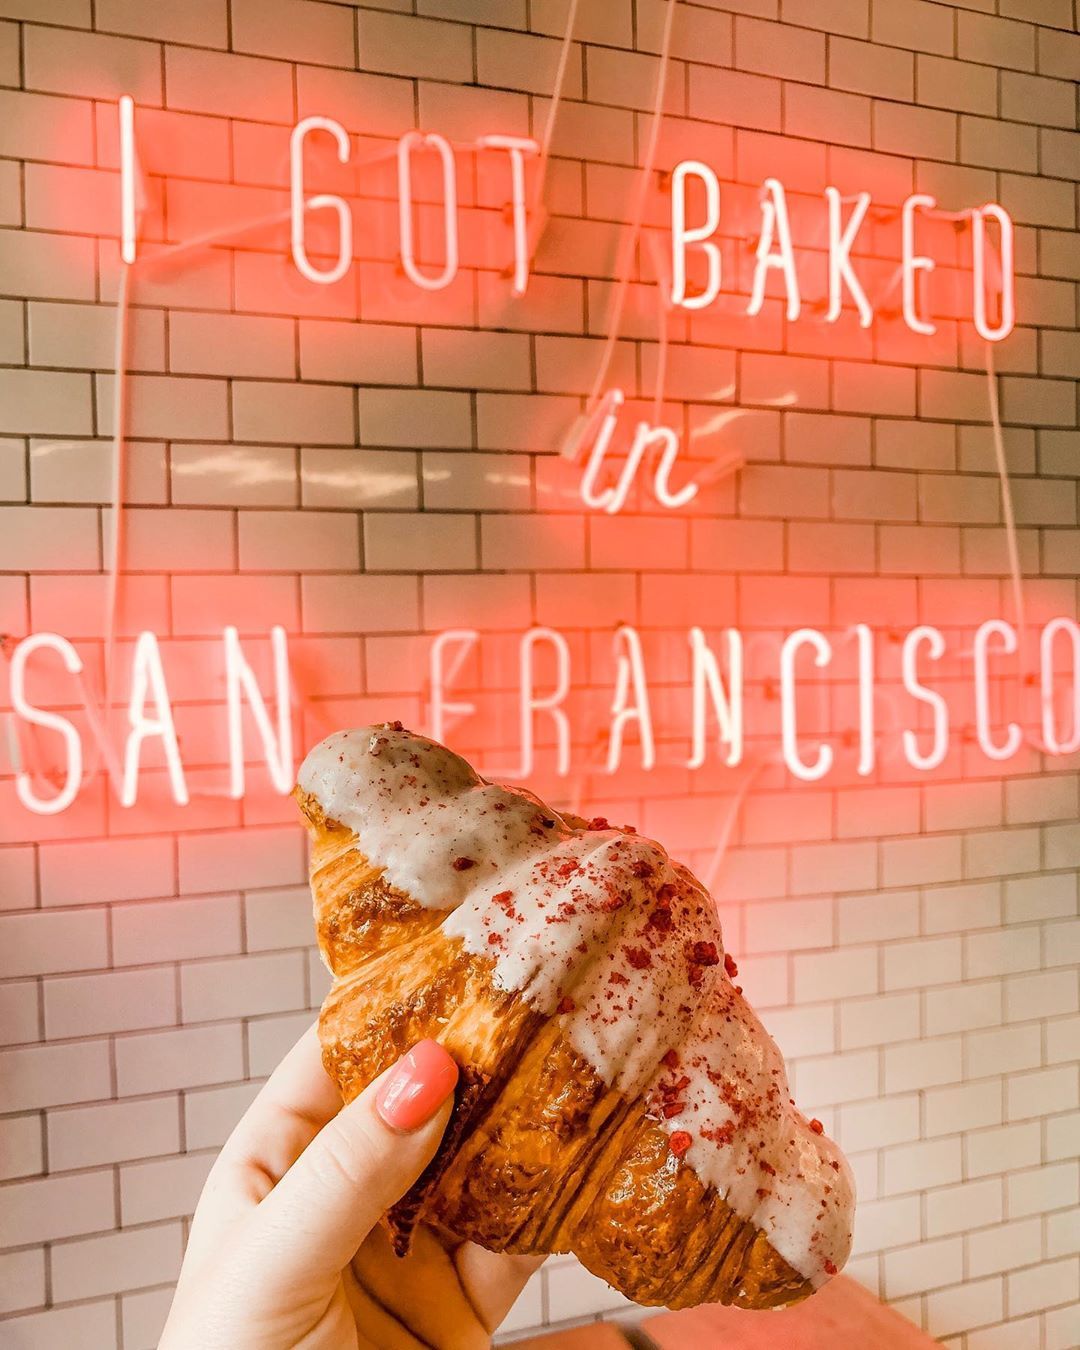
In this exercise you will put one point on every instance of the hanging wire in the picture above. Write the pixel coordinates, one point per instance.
(540, 180)
(637, 216)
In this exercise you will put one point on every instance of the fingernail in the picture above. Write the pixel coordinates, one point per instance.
(416, 1086)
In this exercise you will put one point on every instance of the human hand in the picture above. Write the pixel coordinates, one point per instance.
(286, 1248)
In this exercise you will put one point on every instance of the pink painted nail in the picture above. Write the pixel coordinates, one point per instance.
(416, 1087)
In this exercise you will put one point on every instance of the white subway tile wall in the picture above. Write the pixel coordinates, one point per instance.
(368, 463)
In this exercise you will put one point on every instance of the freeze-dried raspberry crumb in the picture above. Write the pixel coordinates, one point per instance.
(830, 1268)
(670, 1059)
(598, 823)
(463, 864)
(705, 954)
(817, 1126)
(638, 957)
(679, 1142)
(566, 1005)
(730, 966)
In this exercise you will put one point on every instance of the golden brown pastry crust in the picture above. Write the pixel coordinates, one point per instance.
(540, 1156)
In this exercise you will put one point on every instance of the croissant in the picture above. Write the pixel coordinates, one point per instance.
(618, 1098)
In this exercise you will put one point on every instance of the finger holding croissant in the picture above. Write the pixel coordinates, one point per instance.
(286, 1248)
(617, 1096)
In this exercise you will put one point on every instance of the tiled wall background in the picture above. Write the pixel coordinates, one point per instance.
(368, 465)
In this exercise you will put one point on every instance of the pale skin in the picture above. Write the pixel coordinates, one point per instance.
(286, 1248)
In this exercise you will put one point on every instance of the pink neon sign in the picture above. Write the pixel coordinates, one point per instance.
(149, 720)
(714, 727)
(774, 252)
(652, 442)
(717, 693)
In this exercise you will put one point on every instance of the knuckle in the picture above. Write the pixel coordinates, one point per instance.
(347, 1157)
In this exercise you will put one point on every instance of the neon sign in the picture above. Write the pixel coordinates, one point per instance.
(149, 719)
(716, 705)
(719, 722)
(774, 254)
(774, 251)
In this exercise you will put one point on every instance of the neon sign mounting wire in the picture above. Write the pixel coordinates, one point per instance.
(540, 181)
(636, 220)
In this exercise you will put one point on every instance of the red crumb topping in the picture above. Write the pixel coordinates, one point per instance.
(463, 864)
(730, 966)
(566, 1005)
(830, 1268)
(670, 1059)
(817, 1126)
(705, 954)
(679, 1142)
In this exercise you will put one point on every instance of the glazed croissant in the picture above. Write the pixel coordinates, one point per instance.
(618, 1098)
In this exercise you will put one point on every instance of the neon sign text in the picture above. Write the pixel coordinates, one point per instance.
(993, 280)
(719, 702)
(149, 718)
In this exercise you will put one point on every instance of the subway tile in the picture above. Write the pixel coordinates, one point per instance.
(21, 1152)
(241, 986)
(163, 1188)
(90, 1136)
(176, 930)
(164, 1061)
(117, 1001)
(105, 1265)
(57, 1207)
(89, 1323)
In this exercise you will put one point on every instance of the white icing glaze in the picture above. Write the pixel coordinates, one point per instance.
(600, 928)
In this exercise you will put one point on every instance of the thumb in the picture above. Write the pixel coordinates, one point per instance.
(310, 1225)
